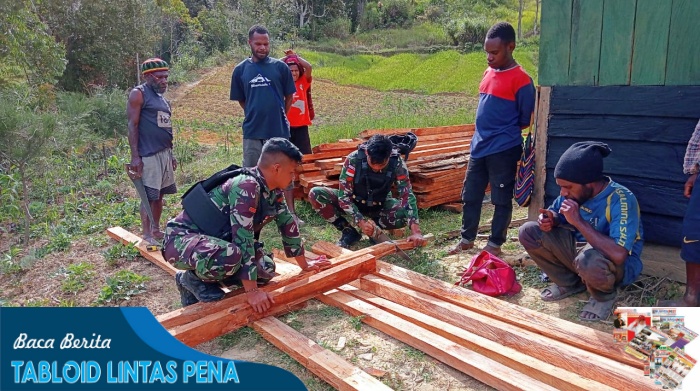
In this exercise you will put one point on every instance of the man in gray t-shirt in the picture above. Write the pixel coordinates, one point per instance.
(264, 88)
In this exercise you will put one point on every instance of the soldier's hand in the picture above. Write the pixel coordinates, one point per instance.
(367, 226)
(417, 239)
(260, 301)
(174, 164)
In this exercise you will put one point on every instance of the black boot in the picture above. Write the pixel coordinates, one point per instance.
(202, 291)
(350, 235)
(186, 297)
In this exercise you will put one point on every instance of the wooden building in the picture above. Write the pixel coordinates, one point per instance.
(625, 72)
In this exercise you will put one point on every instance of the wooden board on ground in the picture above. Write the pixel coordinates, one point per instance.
(573, 334)
(473, 364)
(560, 353)
(230, 319)
(513, 358)
(337, 372)
(126, 237)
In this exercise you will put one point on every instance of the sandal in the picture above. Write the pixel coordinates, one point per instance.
(555, 292)
(601, 310)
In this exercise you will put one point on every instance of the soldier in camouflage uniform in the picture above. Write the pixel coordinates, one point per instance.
(252, 200)
(364, 194)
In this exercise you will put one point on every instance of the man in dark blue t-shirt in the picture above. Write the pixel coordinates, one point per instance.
(264, 88)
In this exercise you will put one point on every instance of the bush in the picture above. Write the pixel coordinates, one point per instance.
(433, 13)
(371, 19)
(396, 13)
(338, 28)
(108, 117)
(467, 30)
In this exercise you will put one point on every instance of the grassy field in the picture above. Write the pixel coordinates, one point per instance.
(71, 262)
(443, 72)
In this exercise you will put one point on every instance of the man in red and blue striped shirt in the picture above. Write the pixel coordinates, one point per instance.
(506, 103)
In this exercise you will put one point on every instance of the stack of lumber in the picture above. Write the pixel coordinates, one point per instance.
(437, 164)
(499, 343)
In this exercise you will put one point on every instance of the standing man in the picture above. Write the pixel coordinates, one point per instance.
(506, 103)
(591, 208)
(364, 194)
(690, 248)
(245, 203)
(151, 142)
(264, 88)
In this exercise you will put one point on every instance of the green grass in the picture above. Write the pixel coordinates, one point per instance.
(420, 35)
(443, 72)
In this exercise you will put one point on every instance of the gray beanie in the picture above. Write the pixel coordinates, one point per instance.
(582, 163)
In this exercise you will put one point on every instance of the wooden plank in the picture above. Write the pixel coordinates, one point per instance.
(323, 155)
(555, 45)
(289, 274)
(637, 101)
(334, 370)
(344, 146)
(586, 29)
(435, 130)
(585, 338)
(214, 325)
(683, 63)
(651, 29)
(337, 253)
(125, 237)
(616, 42)
(480, 367)
(542, 118)
(571, 358)
(513, 358)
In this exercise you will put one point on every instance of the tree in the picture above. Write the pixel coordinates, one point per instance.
(26, 124)
(27, 51)
(520, 19)
(304, 9)
(537, 14)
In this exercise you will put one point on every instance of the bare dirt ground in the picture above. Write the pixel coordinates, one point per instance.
(396, 364)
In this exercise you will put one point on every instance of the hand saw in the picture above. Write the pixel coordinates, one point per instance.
(380, 236)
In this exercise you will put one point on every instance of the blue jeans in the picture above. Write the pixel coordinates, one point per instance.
(498, 170)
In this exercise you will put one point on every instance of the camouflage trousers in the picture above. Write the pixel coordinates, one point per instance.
(325, 201)
(212, 259)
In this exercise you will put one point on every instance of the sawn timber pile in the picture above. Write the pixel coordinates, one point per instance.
(501, 344)
(437, 164)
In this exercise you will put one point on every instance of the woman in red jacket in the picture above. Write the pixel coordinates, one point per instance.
(300, 113)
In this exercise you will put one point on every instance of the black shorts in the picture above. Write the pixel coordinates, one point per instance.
(300, 138)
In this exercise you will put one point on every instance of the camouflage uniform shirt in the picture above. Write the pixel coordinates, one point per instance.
(241, 197)
(405, 193)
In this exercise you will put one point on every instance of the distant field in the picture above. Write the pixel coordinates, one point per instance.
(443, 72)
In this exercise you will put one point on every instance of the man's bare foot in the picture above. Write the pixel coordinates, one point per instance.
(158, 234)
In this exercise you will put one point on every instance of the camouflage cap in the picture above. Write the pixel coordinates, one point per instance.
(153, 65)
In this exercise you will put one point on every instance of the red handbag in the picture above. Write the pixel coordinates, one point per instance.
(490, 275)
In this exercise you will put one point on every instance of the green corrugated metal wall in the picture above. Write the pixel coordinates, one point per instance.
(619, 42)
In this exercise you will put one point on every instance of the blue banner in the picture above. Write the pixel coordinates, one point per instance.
(115, 349)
